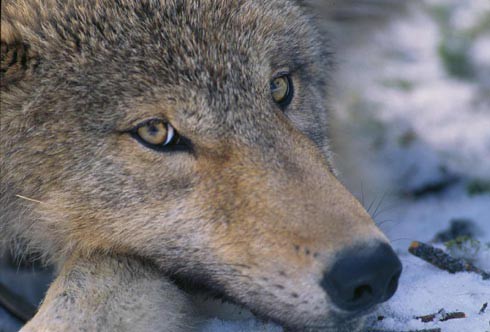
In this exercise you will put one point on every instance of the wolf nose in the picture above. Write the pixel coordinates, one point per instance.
(363, 277)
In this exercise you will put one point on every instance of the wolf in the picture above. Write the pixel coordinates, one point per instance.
(156, 149)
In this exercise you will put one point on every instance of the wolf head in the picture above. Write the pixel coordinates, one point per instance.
(150, 128)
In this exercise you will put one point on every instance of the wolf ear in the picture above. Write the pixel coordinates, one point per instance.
(16, 53)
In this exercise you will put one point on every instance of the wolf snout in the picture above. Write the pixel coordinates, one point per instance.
(362, 277)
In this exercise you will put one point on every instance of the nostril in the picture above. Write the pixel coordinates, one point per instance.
(361, 293)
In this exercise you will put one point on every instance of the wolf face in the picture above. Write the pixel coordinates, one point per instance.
(150, 128)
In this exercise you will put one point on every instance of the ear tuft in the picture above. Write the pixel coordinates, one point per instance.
(13, 60)
(15, 53)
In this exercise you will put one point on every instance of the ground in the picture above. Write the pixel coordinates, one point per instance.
(411, 133)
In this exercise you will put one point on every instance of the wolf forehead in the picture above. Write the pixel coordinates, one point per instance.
(159, 42)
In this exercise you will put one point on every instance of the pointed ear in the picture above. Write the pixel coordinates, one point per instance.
(16, 55)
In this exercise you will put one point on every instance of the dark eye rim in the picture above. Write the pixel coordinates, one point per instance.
(290, 94)
(179, 143)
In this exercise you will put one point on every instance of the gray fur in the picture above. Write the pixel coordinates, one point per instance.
(251, 211)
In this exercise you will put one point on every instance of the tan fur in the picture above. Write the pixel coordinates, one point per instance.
(253, 212)
(107, 293)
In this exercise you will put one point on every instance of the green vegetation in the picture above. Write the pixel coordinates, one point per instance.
(478, 187)
(399, 84)
(454, 53)
(464, 247)
(455, 45)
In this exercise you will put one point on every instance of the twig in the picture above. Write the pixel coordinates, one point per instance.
(483, 308)
(423, 330)
(441, 316)
(439, 258)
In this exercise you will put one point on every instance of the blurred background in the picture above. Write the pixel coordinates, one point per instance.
(411, 133)
(413, 88)
(410, 103)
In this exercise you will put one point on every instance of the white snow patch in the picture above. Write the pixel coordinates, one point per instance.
(425, 290)
(249, 325)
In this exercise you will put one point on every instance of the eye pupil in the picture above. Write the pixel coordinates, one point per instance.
(281, 90)
(152, 130)
(156, 133)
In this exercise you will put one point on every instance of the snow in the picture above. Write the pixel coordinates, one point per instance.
(404, 121)
(217, 325)
(425, 289)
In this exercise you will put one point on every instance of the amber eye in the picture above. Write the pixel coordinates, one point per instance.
(157, 132)
(282, 90)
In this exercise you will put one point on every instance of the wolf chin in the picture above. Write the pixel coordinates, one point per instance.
(156, 149)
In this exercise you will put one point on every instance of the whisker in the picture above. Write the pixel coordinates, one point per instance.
(362, 194)
(379, 204)
(401, 238)
(371, 205)
(29, 199)
(382, 222)
(386, 209)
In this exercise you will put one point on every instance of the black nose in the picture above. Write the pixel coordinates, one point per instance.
(363, 277)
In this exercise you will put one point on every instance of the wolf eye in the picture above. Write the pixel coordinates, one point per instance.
(282, 90)
(156, 133)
